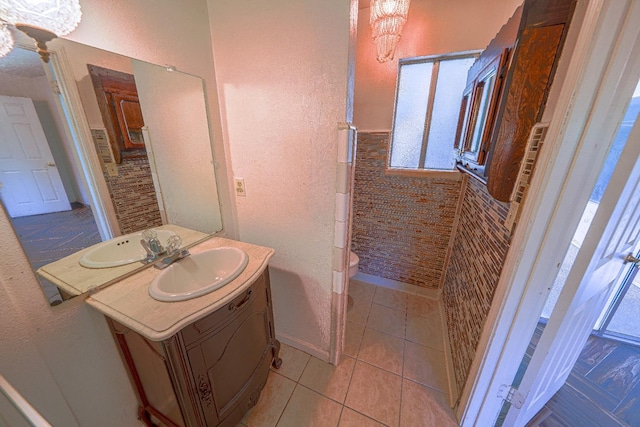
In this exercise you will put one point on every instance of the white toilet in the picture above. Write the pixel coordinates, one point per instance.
(353, 264)
(353, 270)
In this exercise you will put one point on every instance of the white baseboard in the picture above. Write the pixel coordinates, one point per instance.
(394, 284)
(303, 346)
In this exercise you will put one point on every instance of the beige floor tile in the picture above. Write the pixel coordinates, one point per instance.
(425, 331)
(308, 408)
(327, 379)
(351, 418)
(382, 350)
(425, 365)
(387, 320)
(375, 393)
(423, 407)
(293, 362)
(359, 312)
(391, 298)
(352, 339)
(361, 291)
(273, 399)
(423, 306)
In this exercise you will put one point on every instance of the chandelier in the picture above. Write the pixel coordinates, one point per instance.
(42, 20)
(386, 21)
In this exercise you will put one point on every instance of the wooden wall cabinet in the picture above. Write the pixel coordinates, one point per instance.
(212, 371)
(525, 52)
(119, 105)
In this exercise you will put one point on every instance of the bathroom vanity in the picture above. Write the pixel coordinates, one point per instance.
(202, 361)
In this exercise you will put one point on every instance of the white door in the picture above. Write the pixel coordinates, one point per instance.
(614, 234)
(29, 179)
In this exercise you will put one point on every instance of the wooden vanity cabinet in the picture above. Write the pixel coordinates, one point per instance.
(212, 371)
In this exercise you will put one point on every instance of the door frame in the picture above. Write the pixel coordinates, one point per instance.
(25, 166)
(69, 106)
(601, 72)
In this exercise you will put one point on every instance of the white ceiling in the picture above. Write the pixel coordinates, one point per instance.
(23, 63)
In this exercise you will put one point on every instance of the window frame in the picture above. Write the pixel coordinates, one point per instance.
(435, 60)
(465, 144)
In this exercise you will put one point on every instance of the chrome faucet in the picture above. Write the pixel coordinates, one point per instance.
(152, 245)
(161, 256)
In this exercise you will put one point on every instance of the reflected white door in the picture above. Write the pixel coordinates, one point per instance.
(30, 182)
(614, 234)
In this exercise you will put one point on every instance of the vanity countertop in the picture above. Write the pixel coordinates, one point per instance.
(129, 303)
(74, 279)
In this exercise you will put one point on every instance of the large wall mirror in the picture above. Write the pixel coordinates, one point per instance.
(66, 189)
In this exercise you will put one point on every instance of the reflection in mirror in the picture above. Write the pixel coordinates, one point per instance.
(41, 159)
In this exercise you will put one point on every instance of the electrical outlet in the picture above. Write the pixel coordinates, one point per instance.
(112, 169)
(240, 188)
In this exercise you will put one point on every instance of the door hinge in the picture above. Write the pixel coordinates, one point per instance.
(55, 88)
(511, 395)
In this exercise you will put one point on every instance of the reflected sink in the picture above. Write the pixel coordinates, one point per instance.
(199, 274)
(120, 250)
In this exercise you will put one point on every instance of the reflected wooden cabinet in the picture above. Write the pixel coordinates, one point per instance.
(506, 93)
(117, 98)
(211, 372)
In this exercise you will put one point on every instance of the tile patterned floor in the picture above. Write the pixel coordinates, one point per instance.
(49, 237)
(392, 372)
(603, 388)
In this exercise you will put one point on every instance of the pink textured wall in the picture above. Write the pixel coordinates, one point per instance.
(433, 27)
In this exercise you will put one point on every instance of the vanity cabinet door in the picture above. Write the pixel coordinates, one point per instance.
(230, 365)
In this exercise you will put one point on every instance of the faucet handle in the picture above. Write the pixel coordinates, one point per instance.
(149, 234)
(173, 243)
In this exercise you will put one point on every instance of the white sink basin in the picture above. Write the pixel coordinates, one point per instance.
(198, 274)
(120, 250)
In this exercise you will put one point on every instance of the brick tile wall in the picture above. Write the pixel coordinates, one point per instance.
(479, 250)
(401, 225)
(133, 195)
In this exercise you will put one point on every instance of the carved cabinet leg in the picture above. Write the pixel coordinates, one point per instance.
(143, 415)
(277, 361)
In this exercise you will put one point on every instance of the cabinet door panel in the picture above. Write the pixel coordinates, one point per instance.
(245, 348)
(233, 359)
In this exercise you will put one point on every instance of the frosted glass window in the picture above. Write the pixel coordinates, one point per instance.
(414, 83)
(452, 78)
(426, 114)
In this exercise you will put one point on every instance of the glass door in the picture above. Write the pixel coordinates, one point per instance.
(621, 320)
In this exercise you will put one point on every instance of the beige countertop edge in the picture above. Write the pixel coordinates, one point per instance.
(60, 272)
(207, 304)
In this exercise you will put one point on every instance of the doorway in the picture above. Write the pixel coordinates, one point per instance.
(585, 384)
(43, 188)
(620, 309)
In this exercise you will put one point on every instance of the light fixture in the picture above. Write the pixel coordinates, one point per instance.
(42, 20)
(386, 21)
